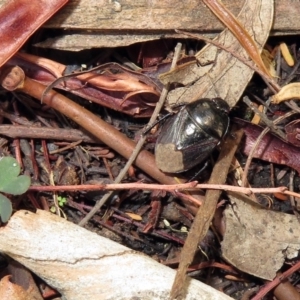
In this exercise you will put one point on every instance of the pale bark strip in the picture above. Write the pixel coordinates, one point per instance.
(83, 265)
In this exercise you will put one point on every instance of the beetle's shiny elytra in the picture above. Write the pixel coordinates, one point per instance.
(188, 137)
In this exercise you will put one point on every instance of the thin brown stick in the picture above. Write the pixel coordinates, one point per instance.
(59, 134)
(205, 213)
(138, 147)
(157, 187)
(268, 287)
(258, 140)
(15, 79)
(264, 118)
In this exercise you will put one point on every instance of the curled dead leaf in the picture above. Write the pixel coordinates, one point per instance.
(115, 87)
(288, 92)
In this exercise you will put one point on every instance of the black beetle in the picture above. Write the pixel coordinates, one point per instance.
(187, 138)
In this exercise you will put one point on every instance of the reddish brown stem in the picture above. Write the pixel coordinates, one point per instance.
(97, 127)
(15, 78)
(170, 187)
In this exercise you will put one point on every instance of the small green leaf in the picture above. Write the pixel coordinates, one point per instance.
(9, 167)
(17, 186)
(5, 208)
(10, 182)
(61, 200)
(53, 209)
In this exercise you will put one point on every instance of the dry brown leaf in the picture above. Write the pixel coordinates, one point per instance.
(257, 240)
(217, 73)
(237, 29)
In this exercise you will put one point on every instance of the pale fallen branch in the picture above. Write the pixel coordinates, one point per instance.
(83, 265)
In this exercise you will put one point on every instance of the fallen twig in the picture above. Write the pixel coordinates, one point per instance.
(190, 186)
